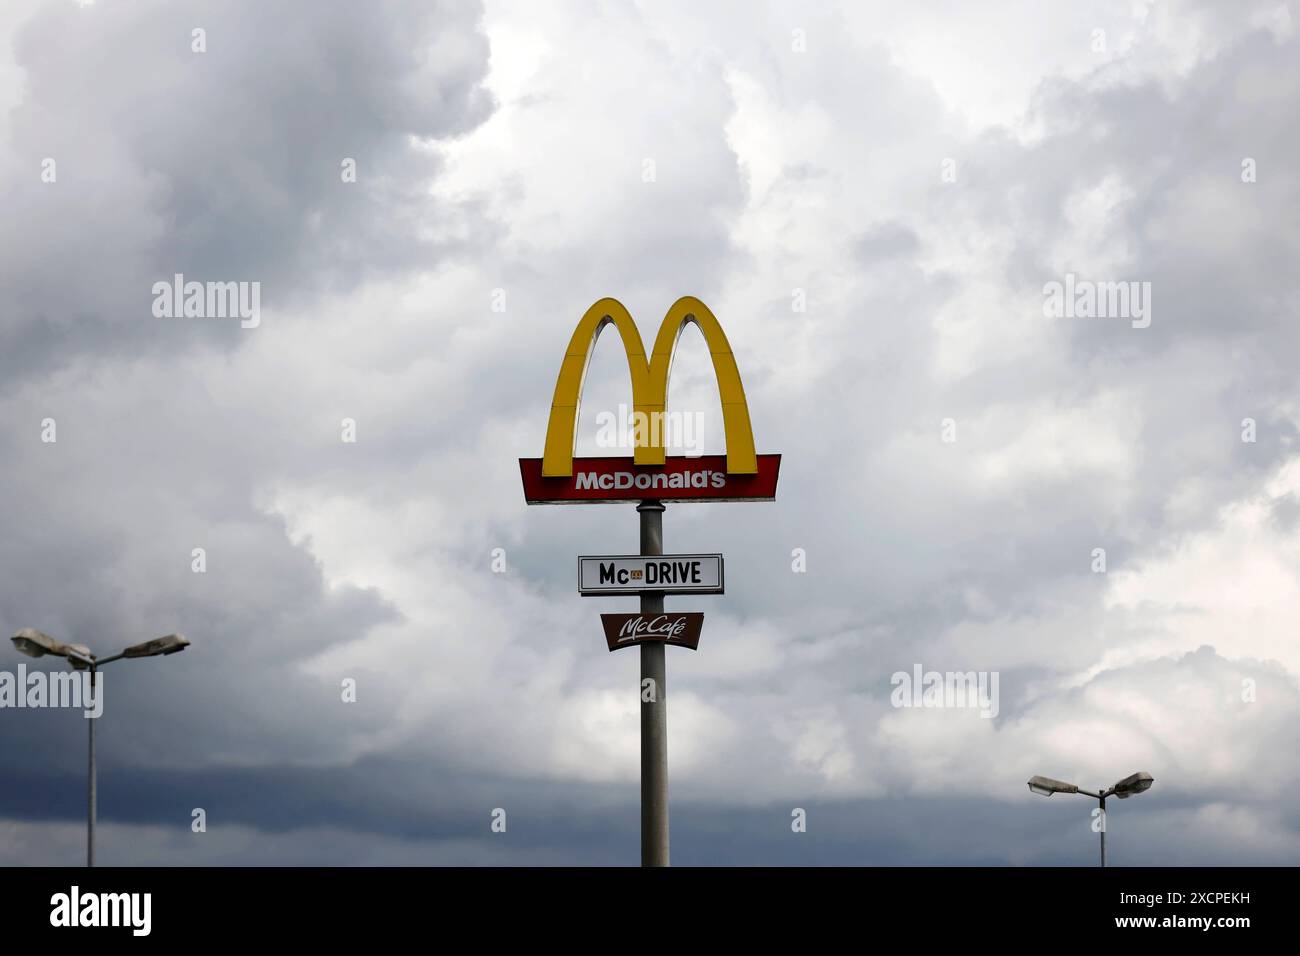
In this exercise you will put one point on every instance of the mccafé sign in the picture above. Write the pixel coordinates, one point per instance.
(560, 478)
(673, 627)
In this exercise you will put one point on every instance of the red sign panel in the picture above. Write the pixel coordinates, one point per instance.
(596, 480)
(671, 627)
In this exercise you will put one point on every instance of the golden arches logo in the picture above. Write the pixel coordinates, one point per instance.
(649, 384)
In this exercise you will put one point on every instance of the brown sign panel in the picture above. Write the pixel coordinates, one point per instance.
(672, 627)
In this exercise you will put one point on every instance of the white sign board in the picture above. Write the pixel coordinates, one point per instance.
(665, 573)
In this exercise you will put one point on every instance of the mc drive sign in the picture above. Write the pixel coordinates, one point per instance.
(666, 574)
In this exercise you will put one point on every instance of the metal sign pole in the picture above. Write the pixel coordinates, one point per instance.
(91, 795)
(1102, 801)
(654, 708)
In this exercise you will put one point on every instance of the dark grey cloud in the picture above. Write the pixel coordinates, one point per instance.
(341, 817)
(224, 165)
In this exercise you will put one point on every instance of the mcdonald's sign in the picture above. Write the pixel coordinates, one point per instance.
(557, 477)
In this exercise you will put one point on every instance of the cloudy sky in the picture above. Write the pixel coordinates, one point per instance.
(872, 198)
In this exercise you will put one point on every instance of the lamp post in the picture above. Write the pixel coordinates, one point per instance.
(33, 643)
(1135, 783)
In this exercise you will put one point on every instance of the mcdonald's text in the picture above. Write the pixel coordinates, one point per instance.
(680, 478)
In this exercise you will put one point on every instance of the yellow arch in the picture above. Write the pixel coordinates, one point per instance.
(649, 384)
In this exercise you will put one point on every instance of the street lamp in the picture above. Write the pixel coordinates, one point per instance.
(1135, 783)
(1047, 786)
(33, 643)
(1139, 782)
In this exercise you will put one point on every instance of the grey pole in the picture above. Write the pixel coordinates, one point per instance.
(90, 785)
(654, 713)
(1102, 801)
